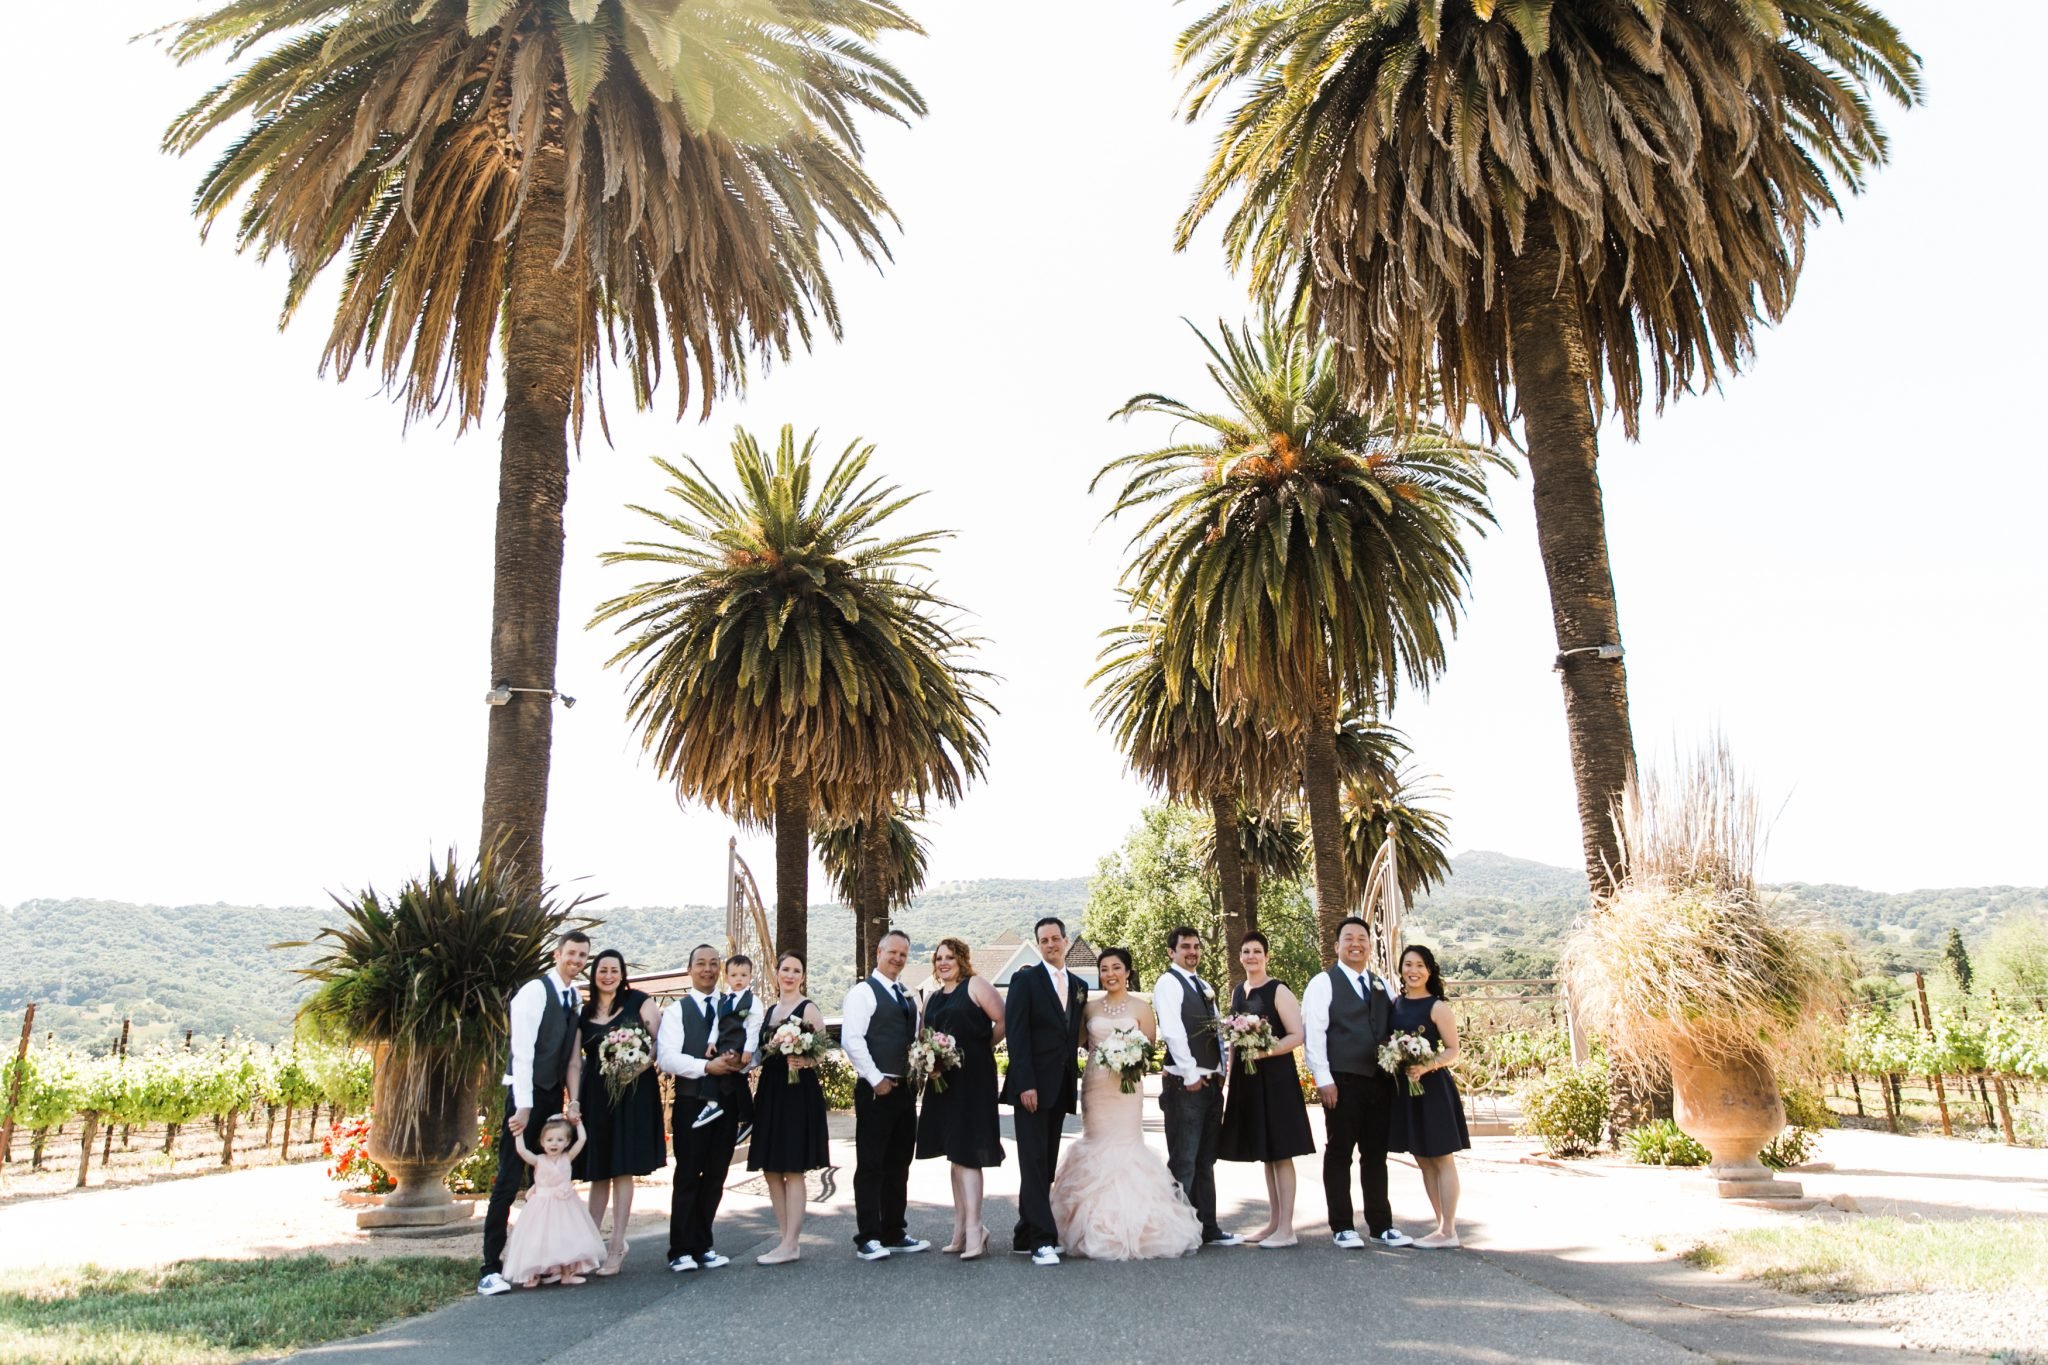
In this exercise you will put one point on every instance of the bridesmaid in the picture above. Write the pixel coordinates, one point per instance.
(1265, 1118)
(959, 1123)
(789, 1116)
(625, 1139)
(1430, 1126)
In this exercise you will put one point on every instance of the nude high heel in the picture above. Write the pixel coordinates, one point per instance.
(976, 1245)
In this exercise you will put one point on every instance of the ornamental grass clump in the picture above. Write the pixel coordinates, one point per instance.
(1686, 955)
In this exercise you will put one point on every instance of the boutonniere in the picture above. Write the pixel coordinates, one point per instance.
(1207, 993)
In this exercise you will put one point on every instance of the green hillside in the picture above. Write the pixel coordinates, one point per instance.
(210, 968)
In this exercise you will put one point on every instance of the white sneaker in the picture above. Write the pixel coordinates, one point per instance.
(1228, 1239)
(1394, 1237)
(710, 1113)
(1046, 1256)
(711, 1260)
(871, 1250)
(493, 1283)
(1348, 1240)
(909, 1246)
(682, 1263)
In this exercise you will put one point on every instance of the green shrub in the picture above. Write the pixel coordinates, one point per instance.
(1793, 1147)
(1804, 1108)
(1663, 1144)
(838, 1077)
(1567, 1108)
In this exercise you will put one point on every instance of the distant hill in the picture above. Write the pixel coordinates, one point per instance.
(210, 968)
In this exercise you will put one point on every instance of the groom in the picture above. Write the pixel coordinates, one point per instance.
(1346, 1013)
(1042, 1028)
(1191, 1090)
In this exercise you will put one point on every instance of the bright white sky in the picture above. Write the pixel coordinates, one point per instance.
(246, 613)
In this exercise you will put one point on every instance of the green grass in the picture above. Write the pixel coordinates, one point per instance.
(1885, 1255)
(206, 1312)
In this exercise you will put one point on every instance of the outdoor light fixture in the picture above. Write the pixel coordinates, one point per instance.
(1597, 651)
(502, 693)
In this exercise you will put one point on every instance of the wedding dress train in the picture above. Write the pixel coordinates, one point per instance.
(1114, 1199)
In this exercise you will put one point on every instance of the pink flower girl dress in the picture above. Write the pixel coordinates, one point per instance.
(554, 1234)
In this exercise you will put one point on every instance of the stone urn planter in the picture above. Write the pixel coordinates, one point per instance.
(445, 1135)
(1732, 1108)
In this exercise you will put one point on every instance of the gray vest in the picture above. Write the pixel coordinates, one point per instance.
(1198, 1019)
(1353, 1043)
(726, 1033)
(890, 1032)
(554, 1045)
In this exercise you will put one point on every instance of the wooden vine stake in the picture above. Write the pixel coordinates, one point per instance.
(92, 1124)
(28, 1023)
(1927, 1017)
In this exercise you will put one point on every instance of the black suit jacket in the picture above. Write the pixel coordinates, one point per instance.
(1042, 1038)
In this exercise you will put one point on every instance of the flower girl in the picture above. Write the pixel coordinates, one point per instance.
(554, 1236)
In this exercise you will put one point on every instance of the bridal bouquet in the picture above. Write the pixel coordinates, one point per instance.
(1248, 1035)
(621, 1057)
(1403, 1050)
(932, 1056)
(1127, 1054)
(792, 1040)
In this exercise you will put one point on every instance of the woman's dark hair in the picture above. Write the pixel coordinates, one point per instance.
(797, 958)
(624, 980)
(1122, 955)
(1435, 984)
(1254, 936)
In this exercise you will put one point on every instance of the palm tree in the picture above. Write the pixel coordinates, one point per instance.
(1421, 833)
(791, 665)
(877, 864)
(1304, 556)
(1508, 199)
(566, 183)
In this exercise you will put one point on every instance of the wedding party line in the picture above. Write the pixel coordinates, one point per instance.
(583, 1101)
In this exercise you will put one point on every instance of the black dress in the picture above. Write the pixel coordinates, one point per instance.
(959, 1123)
(1432, 1123)
(626, 1138)
(1264, 1116)
(789, 1116)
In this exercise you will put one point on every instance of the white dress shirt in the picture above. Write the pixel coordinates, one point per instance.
(668, 1039)
(1167, 995)
(1315, 1017)
(855, 1015)
(529, 1003)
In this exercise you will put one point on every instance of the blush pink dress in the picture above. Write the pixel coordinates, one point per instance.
(1114, 1199)
(554, 1234)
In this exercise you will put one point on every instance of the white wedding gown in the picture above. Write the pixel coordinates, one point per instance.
(1114, 1199)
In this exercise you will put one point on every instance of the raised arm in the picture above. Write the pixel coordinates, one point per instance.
(581, 1138)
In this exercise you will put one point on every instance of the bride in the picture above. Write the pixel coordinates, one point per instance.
(1114, 1199)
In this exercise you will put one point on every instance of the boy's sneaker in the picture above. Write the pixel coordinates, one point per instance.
(710, 1113)
(1348, 1240)
(711, 1260)
(871, 1250)
(493, 1283)
(1394, 1237)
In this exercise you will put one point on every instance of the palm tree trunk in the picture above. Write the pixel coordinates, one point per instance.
(1250, 871)
(792, 862)
(1325, 821)
(1229, 877)
(1553, 372)
(868, 890)
(543, 355)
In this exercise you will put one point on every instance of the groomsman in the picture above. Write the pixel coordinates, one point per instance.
(544, 1066)
(1042, 1028)
(1346, 1013)
(878, 1022)
(1191, 1090)
(700, 1045)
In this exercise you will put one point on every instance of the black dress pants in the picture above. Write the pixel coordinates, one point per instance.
(512, 1177)
(1358, 1123)
(884, 1145)
(1194, 1125)
(703, 1157)
(1038, 1155)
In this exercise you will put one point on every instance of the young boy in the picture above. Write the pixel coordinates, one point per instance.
(739, 1000)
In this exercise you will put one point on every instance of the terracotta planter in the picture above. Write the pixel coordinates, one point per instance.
(445, 1135)
(1732, 1108)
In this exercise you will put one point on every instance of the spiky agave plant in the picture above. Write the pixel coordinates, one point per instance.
(426, 975)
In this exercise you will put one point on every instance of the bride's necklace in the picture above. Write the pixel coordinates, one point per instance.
(1117, 1009)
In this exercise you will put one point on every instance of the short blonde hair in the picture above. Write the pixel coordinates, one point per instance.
(962, 955)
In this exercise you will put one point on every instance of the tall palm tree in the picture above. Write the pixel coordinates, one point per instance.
(568, 184)
(1304, 555)
(793, 664)
(877, 864)
(1421, 833)
(1508, 200)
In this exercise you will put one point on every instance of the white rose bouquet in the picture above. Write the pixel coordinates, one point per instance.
(792, 1039)
(625, 1052)
(1127, 1054)
(1404, 1050)
(932, 1056)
